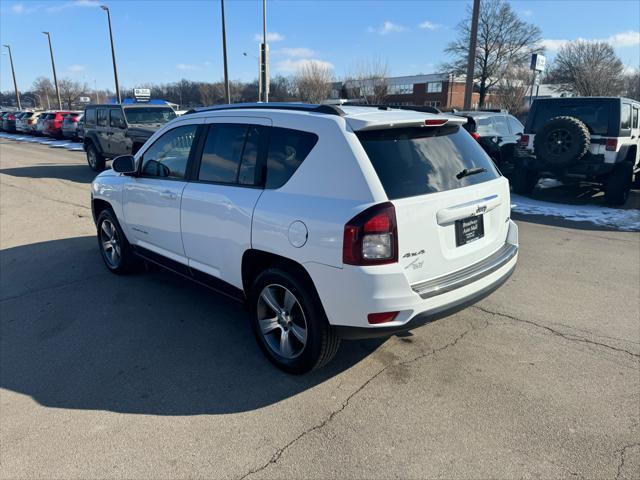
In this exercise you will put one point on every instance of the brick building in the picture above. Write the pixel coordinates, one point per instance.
(441, 90)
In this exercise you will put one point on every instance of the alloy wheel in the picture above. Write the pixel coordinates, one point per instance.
(109, 239)
(281, 321)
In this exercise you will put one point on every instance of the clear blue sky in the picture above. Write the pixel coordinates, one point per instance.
(166, 40)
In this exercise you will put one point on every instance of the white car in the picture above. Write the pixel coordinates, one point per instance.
(330, 222)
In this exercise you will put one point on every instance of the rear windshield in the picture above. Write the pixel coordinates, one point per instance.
(417, 161)
(27, 115)
(594, 114)
(149, 115)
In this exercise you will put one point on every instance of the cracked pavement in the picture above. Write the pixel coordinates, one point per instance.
(151, 376)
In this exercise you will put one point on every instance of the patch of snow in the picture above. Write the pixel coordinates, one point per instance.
(549, 183)
(628, 220)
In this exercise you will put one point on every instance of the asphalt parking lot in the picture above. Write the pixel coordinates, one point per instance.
(148, 376)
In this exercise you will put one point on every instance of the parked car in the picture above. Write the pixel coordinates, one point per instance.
(112, 130)
(70, 125)
(9, 122)
(53, 124)
(593, 139)
(23, 121)
(498, 133)
(330, 222)
(41, 123)
(31, 122)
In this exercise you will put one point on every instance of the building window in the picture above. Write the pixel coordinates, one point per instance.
(435, 103)
(434, 87)
(400, 89)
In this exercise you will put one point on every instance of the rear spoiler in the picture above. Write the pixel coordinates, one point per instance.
(362, 124)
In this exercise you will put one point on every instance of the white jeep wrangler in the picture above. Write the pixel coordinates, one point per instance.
(328, 222)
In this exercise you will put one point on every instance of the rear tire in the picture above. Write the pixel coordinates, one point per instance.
(523, 180)
(94, 159)
(309, 341)
(114, 247)
(618, 184)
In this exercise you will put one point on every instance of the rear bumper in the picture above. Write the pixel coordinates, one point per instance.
(591, 165)
(348, 295)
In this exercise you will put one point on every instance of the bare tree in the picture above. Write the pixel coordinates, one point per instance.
(313, 81)
(504, 42)
(632, 85)
(367, 81)
(70, 90)
(512, 90)
(208, 93)
(588, 69)
(44, 88)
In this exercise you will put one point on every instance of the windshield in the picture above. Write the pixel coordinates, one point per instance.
(149, 115)
(417, 161)
(595, 115)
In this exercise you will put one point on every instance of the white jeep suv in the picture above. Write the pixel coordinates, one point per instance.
(329, 222)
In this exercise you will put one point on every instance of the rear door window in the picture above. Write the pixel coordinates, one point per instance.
(102, 117)
(222, 153)
(287, 150)
(418, 161)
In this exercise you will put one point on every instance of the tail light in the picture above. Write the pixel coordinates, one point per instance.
(383, 317)
(29, 122)
(11, 117)
(475, 135)
(611, 145)
(74, 119)
(371, 237)
(524, 140)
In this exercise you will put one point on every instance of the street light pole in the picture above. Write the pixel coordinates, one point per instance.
(13, 72)
(264, 67)
(471, 60)
(53, 65)
(113, 54)
(224, 55)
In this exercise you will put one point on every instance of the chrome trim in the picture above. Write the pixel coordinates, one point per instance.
(467, 275)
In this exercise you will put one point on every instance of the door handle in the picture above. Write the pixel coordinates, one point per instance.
(168, 194)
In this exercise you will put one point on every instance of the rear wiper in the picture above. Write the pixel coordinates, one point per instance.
(470, 171)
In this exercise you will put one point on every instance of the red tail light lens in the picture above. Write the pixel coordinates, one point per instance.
(611, 145)
(524, 140)
(11, 117)
(435, 122)
(29, 122)
(371, 237)
(475, 135)
(383, 317)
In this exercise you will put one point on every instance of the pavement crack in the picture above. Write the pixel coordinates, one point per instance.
(45, 197)
(566, 336)
(622, 453)
(278, 454)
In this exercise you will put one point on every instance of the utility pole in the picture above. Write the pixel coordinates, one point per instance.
(113, 54)
(471, 61)
(264, 55)
(227, 92)
(53, 65)
(13, 72)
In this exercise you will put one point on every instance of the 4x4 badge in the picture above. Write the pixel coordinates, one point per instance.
(481, 209)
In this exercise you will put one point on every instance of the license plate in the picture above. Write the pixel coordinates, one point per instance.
(469, 229)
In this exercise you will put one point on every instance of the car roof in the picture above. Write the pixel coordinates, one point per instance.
(479, 113)
(358, 117)
(127, 105)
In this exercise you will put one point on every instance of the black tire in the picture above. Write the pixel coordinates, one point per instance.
(562, 141)
(618, 184)
(321, 341)
(126, 258)
(94, 159)
(523, 180)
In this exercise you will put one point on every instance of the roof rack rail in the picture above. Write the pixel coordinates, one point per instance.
(417, 108)
(300, 107)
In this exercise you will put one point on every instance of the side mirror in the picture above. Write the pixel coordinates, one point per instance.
(124, 164)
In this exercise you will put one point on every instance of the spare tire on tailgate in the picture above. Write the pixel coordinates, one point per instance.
(562, 141)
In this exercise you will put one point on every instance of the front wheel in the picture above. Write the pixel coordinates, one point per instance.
(114, 247)
(94, 159)
(289, 322)
(618, 184)
(523, 180)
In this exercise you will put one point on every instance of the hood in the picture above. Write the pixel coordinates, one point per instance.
(146, 130)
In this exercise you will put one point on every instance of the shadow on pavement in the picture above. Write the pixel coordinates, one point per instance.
(73, 173)
(76, 336)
